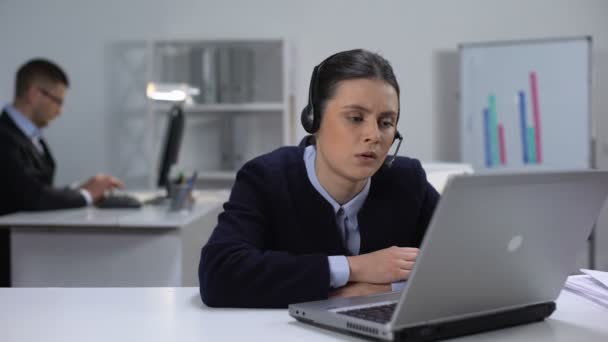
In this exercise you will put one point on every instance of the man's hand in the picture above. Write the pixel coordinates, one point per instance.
(360, 289)
(384, 266)
(99, 184)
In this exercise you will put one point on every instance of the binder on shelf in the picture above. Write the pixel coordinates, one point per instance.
(174, 64)
(241, 77)
(196, 73)
(203, 74)
(223, 76)
(248, 64)
(209, 80)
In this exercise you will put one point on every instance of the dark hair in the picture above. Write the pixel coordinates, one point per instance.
(38, 69)
(348, 65)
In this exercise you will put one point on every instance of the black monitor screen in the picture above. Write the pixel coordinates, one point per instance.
(171, 144)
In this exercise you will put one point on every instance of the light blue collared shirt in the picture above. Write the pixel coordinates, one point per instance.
(26, 126)
(35, 134)
(346, 220)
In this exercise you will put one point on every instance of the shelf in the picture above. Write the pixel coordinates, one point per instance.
(243, 109)
(217, 175)
(227, 107)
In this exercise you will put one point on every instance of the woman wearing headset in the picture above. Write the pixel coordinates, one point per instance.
(334, 218)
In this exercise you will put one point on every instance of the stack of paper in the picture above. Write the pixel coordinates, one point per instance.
(592, 285)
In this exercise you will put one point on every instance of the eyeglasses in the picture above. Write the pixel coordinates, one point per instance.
(58, 101)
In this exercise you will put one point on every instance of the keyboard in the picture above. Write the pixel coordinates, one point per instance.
(118, 201)
(379, 314)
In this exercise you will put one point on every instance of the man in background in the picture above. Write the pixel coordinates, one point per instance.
(27, 166)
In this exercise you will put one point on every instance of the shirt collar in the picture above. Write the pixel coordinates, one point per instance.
(25, 125)
(353, 206)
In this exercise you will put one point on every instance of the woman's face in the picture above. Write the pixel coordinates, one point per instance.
(357, 128)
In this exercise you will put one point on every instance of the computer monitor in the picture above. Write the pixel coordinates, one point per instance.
(171, 144)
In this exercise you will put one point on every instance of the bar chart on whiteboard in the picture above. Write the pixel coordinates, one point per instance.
(526, 105)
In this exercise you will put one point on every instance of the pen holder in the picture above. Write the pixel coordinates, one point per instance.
(180, 197)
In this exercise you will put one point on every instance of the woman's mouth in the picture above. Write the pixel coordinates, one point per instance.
(367, 156)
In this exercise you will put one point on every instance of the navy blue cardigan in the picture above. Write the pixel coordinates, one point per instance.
(271, 243)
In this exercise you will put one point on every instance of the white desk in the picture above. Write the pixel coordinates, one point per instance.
(438, 173)
(92, 247)
(177, 314)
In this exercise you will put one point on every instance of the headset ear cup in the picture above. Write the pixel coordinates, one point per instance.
(397, 136)
(307, 119)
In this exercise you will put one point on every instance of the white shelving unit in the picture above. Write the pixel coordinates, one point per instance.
(243, 109)
(245, 106)
(227, 107)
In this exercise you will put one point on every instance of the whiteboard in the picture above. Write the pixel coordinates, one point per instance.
(526, 105)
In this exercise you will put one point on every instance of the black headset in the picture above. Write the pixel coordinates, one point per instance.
(311, 119)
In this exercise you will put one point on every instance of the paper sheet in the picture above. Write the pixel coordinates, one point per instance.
(591, 285)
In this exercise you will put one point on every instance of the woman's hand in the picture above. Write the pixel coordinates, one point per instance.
(384, 266)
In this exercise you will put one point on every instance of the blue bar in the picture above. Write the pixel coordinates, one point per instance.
(524, 129)
(487, 138)
(494, 129)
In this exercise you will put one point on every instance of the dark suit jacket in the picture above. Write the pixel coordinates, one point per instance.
(271, 243)
(26, 182)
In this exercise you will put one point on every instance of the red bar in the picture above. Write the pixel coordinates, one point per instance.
(501, 142)
(536, 113)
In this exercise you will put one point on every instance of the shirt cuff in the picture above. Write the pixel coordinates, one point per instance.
(339, 271)
(87, 196)
(399, 285)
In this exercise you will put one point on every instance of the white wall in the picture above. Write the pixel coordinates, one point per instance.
(420, 38)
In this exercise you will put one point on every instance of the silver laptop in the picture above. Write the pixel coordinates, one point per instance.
(497, 253)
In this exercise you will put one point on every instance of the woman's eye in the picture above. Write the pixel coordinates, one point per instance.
(386, 123)
(355, 118)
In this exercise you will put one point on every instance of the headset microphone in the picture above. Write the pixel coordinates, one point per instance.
(397, 136)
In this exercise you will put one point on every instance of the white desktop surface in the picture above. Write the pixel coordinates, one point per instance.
(177, 314)
(91, 247)
(148, 216)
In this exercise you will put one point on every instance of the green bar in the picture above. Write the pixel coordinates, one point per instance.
(531, 145)
(494, 130)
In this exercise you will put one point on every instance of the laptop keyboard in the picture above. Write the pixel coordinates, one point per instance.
(379, 314)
